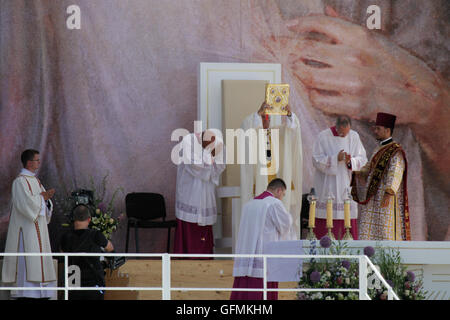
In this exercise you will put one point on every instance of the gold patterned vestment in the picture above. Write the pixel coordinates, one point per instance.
(385, 172)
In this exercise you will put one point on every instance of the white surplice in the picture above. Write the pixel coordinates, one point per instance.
(333, 176)
(197, 178)
(262, 221)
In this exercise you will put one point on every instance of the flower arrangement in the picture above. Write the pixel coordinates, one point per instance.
(102, 210)
(404, 283)
(104, 219)
(329, 273)
(104, 222)
(343, 274)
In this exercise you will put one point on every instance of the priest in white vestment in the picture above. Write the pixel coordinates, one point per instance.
(264, 219)
(283, 152)
(195, 205)
(337, 152)
(28, 232)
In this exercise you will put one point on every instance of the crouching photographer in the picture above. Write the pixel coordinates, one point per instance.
(83, 239)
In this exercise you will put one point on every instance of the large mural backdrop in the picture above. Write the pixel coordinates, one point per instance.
(104, 99)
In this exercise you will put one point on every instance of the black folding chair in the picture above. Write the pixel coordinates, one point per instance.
(146, 210)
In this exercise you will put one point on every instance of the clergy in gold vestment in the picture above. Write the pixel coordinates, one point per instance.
(27, 232)
(282, 143)
(380, 188)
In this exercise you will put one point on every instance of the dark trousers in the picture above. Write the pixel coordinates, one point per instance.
(86, 295)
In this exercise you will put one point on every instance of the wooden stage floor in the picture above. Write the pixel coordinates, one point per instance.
(185, 273)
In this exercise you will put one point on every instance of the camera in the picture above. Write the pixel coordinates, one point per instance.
(81, 197)
(113, 263)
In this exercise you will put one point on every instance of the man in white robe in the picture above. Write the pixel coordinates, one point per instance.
(337, 152)
(197, 178)
(28, 232)
(283, 156)
(264, 219)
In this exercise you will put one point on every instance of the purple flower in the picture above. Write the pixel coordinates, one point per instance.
(102, 207)
(314, 276)
(346, 264)
(411, 276)
(301, 296)
(369, 251)
(390, 282)
(325, 242)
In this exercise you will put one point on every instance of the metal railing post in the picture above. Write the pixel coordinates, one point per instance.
(265, 278)
(166, 276)
(66, 277)
(362, 278)
(390, 295)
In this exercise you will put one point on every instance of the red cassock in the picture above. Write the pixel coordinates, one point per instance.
(192, 238)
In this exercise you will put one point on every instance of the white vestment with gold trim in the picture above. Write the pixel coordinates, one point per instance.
(28, 232)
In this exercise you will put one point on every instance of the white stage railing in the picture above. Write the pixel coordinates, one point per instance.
(166, 288)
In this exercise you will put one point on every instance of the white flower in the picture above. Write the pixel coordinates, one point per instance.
(328, 274)
(329, 298)
(317, 295)
(352, 296)
(347, 280)
(407, 292)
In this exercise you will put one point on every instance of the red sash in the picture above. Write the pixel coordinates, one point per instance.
(263, 195)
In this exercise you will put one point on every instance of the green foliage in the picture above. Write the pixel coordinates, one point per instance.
(104, 219)
(343, 274)
(330, 273)
(403, 282)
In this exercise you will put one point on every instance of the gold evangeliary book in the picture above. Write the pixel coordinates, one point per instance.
(277, 97)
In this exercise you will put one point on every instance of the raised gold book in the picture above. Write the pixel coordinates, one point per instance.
(277, 97)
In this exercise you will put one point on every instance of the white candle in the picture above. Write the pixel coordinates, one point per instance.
(347, 214)
(312, 214)
(330, 213)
